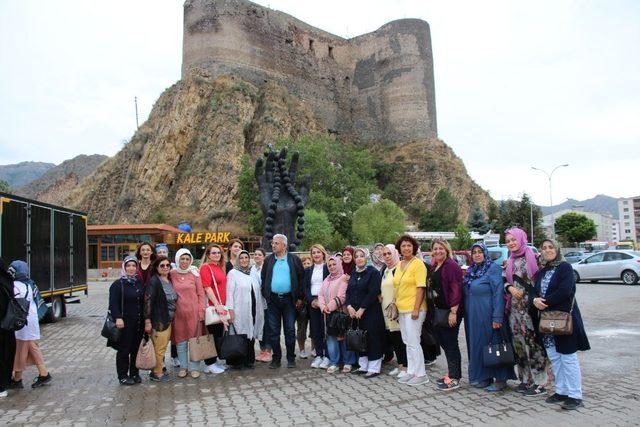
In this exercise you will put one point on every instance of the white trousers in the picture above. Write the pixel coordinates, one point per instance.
(566, 368)
(367, 365)
(411, 330)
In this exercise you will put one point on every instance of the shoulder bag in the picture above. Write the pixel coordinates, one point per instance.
(556, 322)
(211, 316)
(109, 329)
(202, 347)
(337, 320)
(146, 358)
(499, 355)
(391, 310)
(356, 338)
(440, 318)
(17, 312)
(233, 345)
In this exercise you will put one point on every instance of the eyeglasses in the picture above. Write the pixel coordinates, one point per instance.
(165, 265)
(215, 253)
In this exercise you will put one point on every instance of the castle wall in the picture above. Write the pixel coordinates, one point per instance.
(375, 87)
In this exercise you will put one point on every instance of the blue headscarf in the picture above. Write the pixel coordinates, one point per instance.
(478, 270)
(20, 270)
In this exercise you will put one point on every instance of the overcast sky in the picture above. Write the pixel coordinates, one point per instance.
(518, 84)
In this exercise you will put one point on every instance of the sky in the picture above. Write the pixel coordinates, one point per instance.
(518, 84)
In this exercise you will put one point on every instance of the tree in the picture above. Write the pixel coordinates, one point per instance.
(463, 240)
(318, 229)
(4, 186)
(573, 228)
(248, 196)
(478, 221)
(379, 221)
(443, 215)
(514, 213)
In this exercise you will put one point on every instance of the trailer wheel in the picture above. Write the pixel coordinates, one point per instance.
(56, 311)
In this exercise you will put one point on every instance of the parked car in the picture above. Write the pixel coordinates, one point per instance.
(463, 258)
(500, 254)
(575, 256)
(610, 264)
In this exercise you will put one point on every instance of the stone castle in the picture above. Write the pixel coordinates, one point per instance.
(376, 88)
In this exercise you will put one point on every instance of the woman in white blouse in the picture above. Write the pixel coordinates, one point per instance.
(311, 284)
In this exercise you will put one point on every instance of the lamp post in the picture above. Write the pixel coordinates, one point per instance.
(549, 176)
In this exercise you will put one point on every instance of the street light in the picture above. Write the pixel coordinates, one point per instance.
(549, 176)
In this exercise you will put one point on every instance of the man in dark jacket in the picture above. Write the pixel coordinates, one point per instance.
(281, 286)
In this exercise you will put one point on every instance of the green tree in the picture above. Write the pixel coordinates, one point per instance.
(517, 213)
(573, 228)
(4, 186)
(318, 229)
(379, 221)
(478, 221)
(463, 240)
(443, 215)
(248, 197)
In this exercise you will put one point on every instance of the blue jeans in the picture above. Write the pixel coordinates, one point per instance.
(183, 356)
(338, 354)
(281, 311)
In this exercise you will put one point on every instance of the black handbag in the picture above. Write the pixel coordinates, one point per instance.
(233, 345)
(499, 355)
(441, 317)
(109, 329)
(337, 321)
(356, 338)
(17, 311)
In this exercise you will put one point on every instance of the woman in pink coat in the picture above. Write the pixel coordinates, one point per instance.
(331, 298)
(188, 321)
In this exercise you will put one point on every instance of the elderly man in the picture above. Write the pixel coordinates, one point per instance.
(281, 286)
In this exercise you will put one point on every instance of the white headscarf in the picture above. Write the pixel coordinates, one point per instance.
(191, 269)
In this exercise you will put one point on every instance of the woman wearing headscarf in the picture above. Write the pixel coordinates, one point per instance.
(188, 320)
(347, 260)
(7, 338)
(159, 309)
(246, 306)
(126, 299)
(363, 306)
(445, 284)
(556, 290)
(533, 366)
(332, 298)
(394, 337)
(163, 250)
(376, 256)
(311, 284)
(484, 318)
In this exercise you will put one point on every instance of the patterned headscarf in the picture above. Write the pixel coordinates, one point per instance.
(339, 271)
(247, 270)
(365, 252)
(525, 250)
(554, 262)
(123, 272)
(478, 270)
(348, 267)
(377, 261)
(395, 256)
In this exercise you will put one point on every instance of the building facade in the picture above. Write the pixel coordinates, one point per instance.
(603, 222)
(629, 214)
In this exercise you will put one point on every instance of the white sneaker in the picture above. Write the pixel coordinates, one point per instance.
(402, 374)
(4, 393)
(303, 354)
(221, 365)
(213, 369)
(176, 362)
(316, 362)
(415, 381)
(405, 378)
(395, 372)
(325, 363)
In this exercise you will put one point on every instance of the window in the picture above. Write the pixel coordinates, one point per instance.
(625, 202)
(627, 231)
(330, 51)
(625, 210)
(616, 256)
(626, 217)
(310, 44)
(594, 258)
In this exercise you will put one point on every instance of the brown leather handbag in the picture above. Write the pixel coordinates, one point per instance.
(555, 322)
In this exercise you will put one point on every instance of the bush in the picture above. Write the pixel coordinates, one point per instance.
(318, 229)
(381, 221)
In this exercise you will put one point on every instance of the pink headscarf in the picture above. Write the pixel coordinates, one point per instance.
(529, 255)
(395, 256)
(339, 272)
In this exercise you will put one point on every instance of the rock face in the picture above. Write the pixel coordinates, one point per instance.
(19, 174)
(54, 186)
(184, 161)
(377, 87)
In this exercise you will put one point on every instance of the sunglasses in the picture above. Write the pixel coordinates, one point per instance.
(165, 265)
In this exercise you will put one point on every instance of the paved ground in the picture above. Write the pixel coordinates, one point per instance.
(85, 390)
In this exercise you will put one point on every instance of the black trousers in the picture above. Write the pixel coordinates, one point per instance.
(316, 319)
(394, 338)
(448, 338)
(7, 354)
(130, 337)
(217, 331)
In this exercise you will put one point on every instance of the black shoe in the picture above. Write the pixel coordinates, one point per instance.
(15, 385)
(556, 398)
(274, 364)
(358, 372)
(371, 374)
(522, 388)
(535, 390)
(291, 364)
(40, 381)
(249, 366)
(126, 381)
(571, 403)
(236, 367)
(136, 379)
(440, 381)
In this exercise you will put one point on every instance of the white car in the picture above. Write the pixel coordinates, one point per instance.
(616, 265)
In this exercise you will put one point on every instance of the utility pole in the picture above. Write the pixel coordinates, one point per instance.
(549, 176)
(135, 101)
(531, 214)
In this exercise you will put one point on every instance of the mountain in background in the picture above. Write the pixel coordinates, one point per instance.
(600, 204)
(54, 186)
(19, 174)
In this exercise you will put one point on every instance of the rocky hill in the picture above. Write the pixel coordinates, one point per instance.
(600, 204)
(19, 174)
(56, 184)
(184, 161)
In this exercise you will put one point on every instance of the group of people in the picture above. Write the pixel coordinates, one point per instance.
(19, 348)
